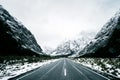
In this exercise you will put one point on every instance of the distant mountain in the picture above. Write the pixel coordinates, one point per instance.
(80, 41)
(73, 46)
(62, 50)
(15, 39)
(47, 50)
(107, 41)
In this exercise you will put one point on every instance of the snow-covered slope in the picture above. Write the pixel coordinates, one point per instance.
(81, 40)
(15, 39)
(107, 41)
(109, 67)
(62, 50)
(12, 70)
(73, 46)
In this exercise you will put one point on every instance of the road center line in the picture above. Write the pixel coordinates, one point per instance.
(65, 72)
(64, 69)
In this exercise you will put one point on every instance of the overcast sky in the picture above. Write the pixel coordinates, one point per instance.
(52, 21)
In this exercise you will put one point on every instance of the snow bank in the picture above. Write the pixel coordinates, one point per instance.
(19, 68)
(106, 67)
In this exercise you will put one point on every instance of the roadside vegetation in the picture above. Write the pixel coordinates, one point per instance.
(106, 65)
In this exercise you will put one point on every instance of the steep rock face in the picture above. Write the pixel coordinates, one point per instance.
(15, 39)
(107, 41)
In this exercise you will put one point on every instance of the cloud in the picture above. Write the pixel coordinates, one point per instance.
(52, 21)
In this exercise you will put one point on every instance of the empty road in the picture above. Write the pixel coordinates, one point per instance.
(63, 69)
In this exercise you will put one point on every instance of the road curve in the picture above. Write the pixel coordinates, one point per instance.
(63, 69)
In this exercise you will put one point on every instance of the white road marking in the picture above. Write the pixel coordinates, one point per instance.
(65, 72)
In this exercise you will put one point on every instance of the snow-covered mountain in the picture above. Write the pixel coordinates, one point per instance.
(105, 44)
(81, 40)
(62, 50)
(73, 46)
(47, 50)
(107, 41)
(15, 38)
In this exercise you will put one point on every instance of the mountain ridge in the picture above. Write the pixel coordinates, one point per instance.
(15, 38)
(107, 42)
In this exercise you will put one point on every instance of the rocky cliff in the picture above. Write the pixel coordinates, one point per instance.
(107, 41)
(15, 39)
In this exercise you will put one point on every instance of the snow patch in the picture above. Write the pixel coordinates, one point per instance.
(19, 68)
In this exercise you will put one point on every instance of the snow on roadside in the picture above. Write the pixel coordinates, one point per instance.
(19, 68)
(88, 64)
(91, 64)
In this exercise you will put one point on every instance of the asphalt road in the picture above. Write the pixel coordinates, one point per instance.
(63, 69)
